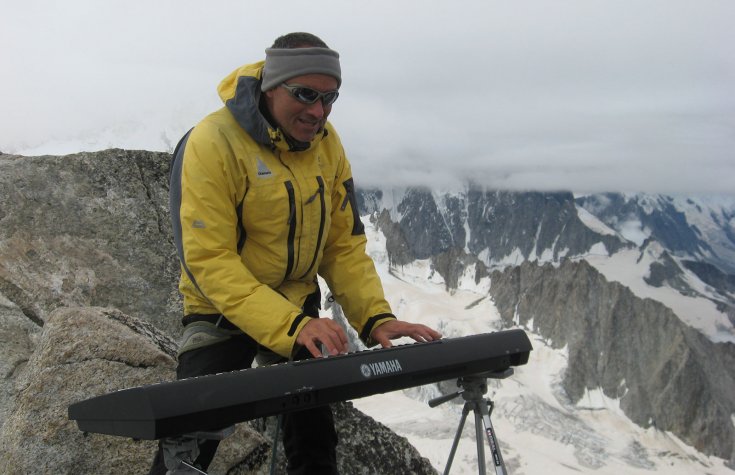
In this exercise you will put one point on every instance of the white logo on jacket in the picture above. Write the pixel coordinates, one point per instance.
(263, 170)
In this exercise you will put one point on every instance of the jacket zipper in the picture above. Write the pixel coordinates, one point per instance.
(322, 219)
(291, 227)
(242, 235)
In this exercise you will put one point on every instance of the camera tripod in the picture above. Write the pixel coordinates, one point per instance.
(472, 391)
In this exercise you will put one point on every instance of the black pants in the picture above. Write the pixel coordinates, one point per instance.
(309, 437)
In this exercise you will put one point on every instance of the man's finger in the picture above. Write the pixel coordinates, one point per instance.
(332, 348)
(313, 349)
(335, 339)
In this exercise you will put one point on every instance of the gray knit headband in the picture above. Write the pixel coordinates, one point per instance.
(282, 64)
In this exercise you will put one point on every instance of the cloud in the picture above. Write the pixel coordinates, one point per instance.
(573, 94)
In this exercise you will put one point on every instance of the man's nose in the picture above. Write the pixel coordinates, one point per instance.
(316, 109)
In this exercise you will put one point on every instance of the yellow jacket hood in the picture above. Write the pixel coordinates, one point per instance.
(240, 92)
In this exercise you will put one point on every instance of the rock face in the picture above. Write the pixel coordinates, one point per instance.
(665, 373)
(81, 353)
(496, 225)
(17, 337)
(88, 229)
(366, 447)
(451, 262)
(84, 352)
(534, 223)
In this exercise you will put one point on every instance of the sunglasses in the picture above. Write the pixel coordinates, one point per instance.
(307, 95)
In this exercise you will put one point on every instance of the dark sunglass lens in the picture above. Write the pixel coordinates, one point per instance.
(330, 97)
(304, 94)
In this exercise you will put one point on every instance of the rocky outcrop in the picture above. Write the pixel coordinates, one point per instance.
(397, 244)
(89, 229)
(81, 353)
(17, 341)
(666, 374)
(425, 227)
(84, 352)
(366, 447)
(453, 264)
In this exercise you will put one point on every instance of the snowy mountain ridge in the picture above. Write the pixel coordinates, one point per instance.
(540, 430)
(533, 258)
(685, 244)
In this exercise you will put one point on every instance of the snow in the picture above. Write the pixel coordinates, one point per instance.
(591, 221)
(538, 428)
(391, 198)
(629, 268)
(515, 258)
(634, 231)
(598, 249)
(714, 217)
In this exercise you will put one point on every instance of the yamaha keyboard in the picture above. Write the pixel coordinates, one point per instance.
(216, 401)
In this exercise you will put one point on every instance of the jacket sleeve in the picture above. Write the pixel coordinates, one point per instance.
(346, 266)
(205, 228)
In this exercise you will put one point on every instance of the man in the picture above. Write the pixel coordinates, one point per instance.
(262, 200)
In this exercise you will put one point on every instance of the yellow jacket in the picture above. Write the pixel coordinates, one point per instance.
(256, 218)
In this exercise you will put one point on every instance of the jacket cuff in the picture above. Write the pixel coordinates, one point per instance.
(298, 323)
(373, 323)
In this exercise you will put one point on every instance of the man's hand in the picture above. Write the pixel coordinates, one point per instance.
(325, 331)
(396, 329)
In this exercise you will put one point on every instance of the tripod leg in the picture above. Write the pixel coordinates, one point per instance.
(492, 440)
(465, 411)
(478, 439)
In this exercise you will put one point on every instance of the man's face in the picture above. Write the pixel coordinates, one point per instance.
(301, 121)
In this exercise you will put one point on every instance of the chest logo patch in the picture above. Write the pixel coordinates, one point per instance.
(263, 170)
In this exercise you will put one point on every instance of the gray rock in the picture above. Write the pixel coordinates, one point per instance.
(89, 229)
(366, 447)
(18, 335)
(81, 353)
(84, 352)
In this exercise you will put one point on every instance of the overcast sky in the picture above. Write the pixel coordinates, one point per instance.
(584, 95)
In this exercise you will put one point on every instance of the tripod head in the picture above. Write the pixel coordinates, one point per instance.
(473, 387)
